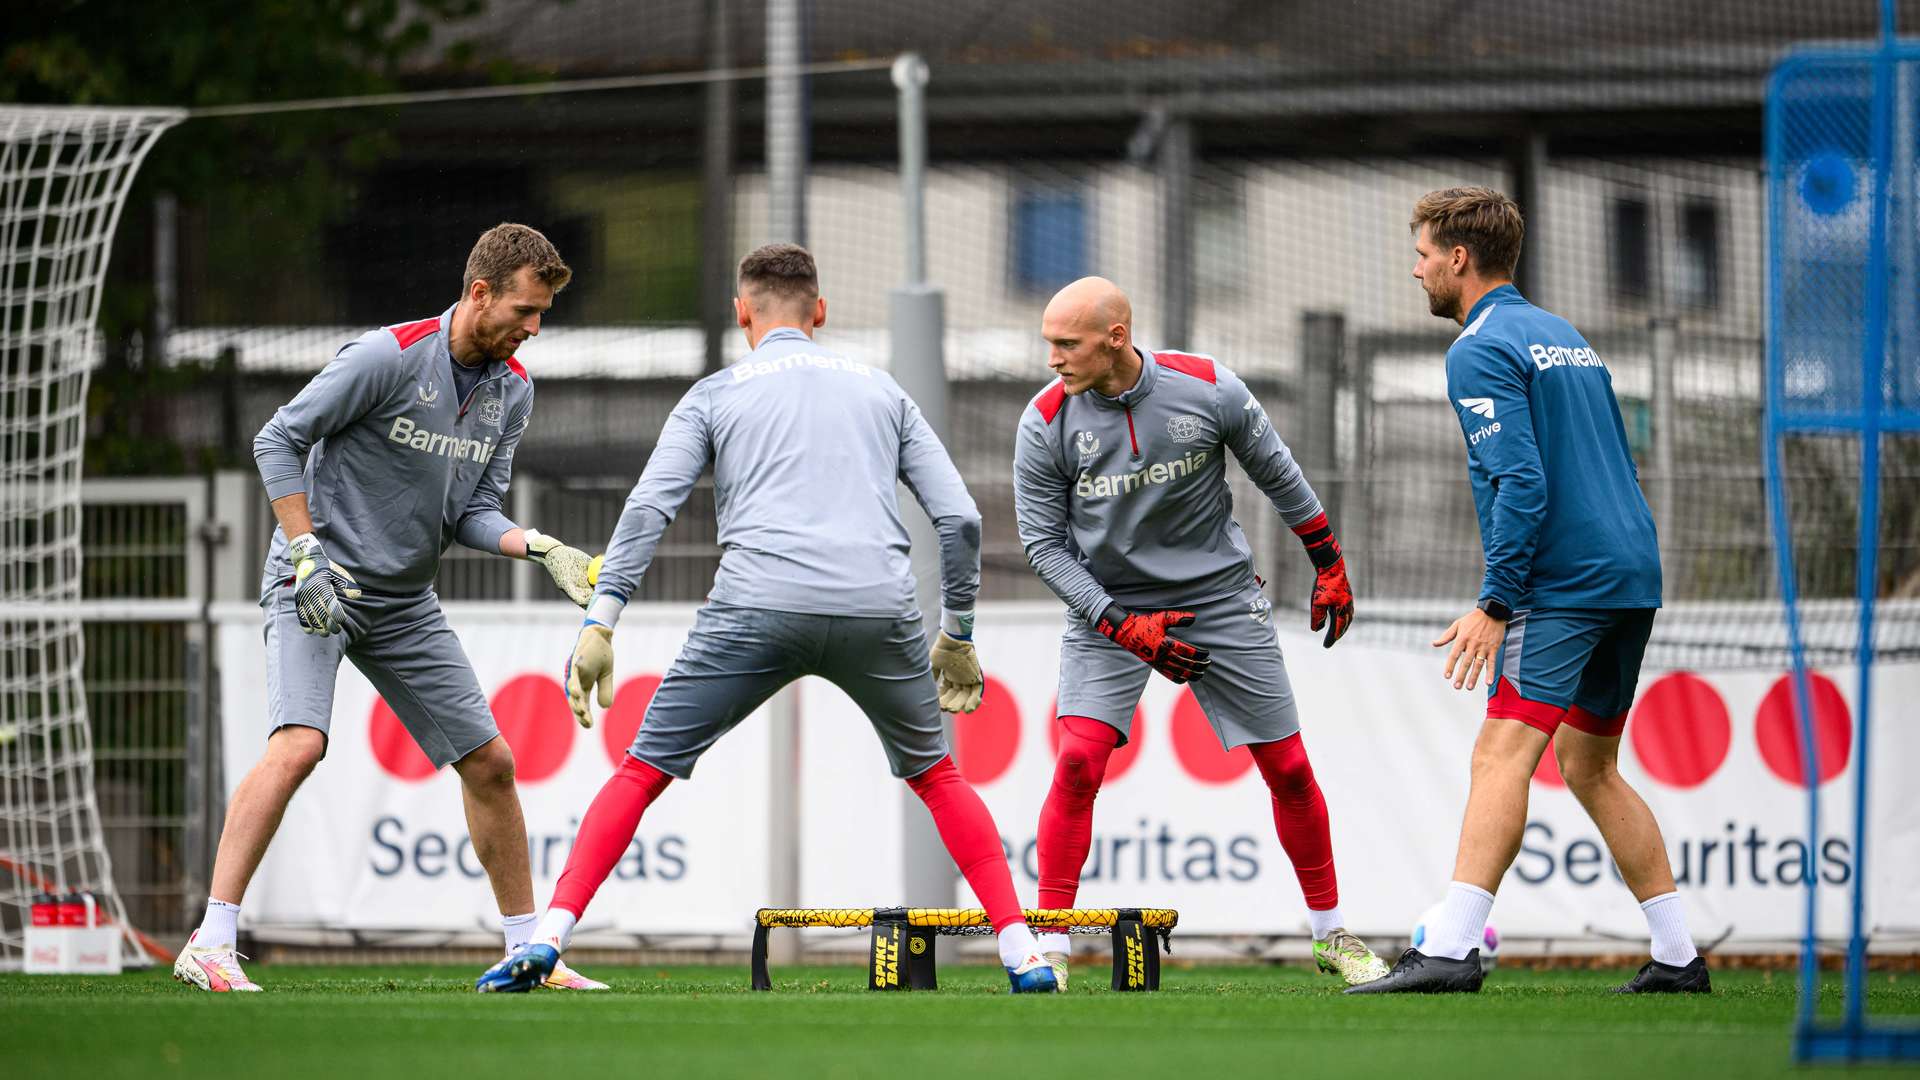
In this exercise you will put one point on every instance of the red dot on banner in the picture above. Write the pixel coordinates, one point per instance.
(534, 719)
(1198, 748)
(986, 740)
(619, 724)
(1777, 729)
(1122, 759)
(393, 749)
(1680, 730)
(1547, 773)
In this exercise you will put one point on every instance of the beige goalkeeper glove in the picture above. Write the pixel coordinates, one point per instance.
(956, 674)
(590, 668)
(567, 565)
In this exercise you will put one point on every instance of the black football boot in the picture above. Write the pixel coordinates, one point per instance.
(1418, 973)
(1658, 978)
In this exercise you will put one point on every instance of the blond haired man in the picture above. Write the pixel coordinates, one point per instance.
(1567, 604)
(400, 446)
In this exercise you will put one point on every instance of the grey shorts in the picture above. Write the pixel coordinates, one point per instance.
(735, 659)
(1245, 694)
(404, 647)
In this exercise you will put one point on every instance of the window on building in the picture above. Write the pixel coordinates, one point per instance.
(1696, 280)
(1049, 242)
(1219, 236)
(1630, 255)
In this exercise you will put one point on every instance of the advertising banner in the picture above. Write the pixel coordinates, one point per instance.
(375, 840)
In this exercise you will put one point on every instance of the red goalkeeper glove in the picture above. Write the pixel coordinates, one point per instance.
(1145, 636)
(1332, 604)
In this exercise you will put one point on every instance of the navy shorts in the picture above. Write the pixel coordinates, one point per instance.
(1577, 666)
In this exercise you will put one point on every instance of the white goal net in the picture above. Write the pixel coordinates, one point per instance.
(64, 175)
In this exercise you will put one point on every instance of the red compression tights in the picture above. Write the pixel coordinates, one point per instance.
(606, 831)
(1300, 817)
(1066, 818)
(971, 838)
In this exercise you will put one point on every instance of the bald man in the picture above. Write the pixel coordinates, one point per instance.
(1122, 498)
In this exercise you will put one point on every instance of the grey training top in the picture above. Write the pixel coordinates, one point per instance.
(1125, 499)
(395, 464)
(806, 448)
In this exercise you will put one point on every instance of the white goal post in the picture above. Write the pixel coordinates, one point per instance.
(64, 177)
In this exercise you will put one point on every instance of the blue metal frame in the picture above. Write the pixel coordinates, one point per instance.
(1854, 1038)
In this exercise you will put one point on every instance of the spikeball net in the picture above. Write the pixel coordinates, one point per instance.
(901, 954)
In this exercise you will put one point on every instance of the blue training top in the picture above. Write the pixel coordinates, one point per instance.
(1562, 519)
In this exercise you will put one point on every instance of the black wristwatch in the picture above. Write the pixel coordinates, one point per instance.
(1495, 609)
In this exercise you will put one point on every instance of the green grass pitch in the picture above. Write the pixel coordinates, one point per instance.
(687, 1022)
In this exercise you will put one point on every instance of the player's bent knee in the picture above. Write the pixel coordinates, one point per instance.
(295, 750)
(1583, 772)
(491, 765)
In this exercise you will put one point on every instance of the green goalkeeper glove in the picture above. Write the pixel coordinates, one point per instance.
(320, 589)
(590, 669)
(567, 565)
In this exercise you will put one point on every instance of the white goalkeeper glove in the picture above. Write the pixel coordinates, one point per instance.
(956, 674)
(320, 589)
(590, 668)
(567, 565)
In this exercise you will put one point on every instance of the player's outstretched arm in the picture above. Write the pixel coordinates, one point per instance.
(929, 473)
(684, 450)
(1271, 466)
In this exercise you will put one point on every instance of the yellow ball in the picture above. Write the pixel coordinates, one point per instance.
(593, 569)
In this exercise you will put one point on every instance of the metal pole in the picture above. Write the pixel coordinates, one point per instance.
(786, 138)
(166, 250)
(1323, 339)
(786, 123)
(1527, 171)
(1176, 233)
(916, 321)
(1664, 333)
(716, 201)
(910, 78)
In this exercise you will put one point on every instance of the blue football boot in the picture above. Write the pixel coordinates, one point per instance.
(524, 969)
(1034, 976)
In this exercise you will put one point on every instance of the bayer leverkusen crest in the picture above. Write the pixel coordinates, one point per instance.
(492, 410)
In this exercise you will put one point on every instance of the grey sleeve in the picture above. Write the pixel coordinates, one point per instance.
(929, 473)
(483, 522)
(1040, 494)
(359, 377)
(1245, 429)
(685, 450)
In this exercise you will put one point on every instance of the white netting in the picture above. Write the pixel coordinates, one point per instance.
(64, 175)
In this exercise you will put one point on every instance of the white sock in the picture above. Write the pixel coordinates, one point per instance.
(1462, 923)
(518, 928)
(1055, 942)
(1667, 922)
(221, 927)
(1016, 944)
(1325, 922)
(555, 929)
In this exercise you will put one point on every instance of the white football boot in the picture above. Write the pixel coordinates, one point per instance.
(215, 969)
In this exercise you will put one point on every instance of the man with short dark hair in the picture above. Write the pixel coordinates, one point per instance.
(1567, 604)
(806, 448)
(402, 445)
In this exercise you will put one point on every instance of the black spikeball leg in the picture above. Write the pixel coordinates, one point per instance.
(1658, 978)
(1418, 973)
